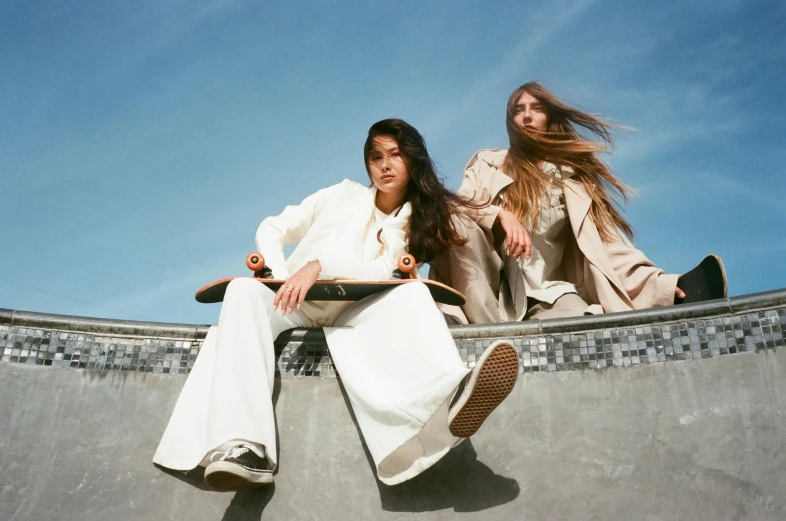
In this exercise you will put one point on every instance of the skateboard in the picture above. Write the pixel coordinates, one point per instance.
(707, 281)
(336, 290)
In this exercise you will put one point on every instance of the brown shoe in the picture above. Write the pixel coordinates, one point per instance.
(492, 379)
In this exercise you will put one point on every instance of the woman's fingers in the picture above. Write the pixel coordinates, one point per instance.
(283, 296)
(284, 299)
(293, 292)
(518, 242)
(293, 298)
(513, 244)
(524, 244)
(279, 295)
(679, 293)
(518, 246)
(302, 297)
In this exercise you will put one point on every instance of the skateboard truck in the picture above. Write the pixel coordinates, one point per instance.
(256, 263)
(406, 267)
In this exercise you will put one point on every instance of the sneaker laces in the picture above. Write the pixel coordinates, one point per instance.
(234, 452)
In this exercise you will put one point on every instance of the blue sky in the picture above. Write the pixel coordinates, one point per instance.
(141, 143)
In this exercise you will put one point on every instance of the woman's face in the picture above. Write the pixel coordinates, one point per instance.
(388, 166)
(530, 114)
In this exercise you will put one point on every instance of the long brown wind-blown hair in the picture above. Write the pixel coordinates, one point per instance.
(562, 145)
(431, 229)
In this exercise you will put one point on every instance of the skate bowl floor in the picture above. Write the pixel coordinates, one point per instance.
(675, 413)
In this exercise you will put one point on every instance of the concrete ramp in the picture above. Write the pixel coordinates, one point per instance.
(681, 437)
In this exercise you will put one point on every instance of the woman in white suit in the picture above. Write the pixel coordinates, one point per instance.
(411, 393)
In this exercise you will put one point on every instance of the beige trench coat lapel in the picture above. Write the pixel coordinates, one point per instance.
(577, 203)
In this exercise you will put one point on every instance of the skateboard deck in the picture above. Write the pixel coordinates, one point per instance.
(707, 281)
(337, 290)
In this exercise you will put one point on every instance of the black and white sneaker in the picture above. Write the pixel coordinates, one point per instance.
(238, 468)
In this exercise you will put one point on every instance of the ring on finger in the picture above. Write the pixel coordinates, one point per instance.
(288, 289)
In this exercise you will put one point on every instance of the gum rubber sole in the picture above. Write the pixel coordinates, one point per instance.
(487, 387)
(226, 477)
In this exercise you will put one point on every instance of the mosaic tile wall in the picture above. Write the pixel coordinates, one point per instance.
(306, 355)
(91, 351)
(702, 338)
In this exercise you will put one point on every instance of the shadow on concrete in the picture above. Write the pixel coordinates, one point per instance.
(194, 477)
(246, 504)
(458, 481)
(249, 504)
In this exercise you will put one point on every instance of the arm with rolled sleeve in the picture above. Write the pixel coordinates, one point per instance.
(393, 238)
(286, 228)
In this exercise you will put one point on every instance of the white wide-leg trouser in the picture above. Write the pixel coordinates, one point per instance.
(393, 351)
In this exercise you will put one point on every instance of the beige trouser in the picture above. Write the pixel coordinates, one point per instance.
(473, 269)
(568, 305)
(397, 361)
(476, 270)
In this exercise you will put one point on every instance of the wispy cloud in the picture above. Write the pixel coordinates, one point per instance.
(544, 24)
(177, 290)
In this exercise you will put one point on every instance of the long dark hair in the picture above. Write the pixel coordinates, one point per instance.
(562, 144)
(431, 229)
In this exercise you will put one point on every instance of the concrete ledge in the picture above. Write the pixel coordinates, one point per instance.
(753, 301)
(703, 330)
(636, 318)
(107, 326)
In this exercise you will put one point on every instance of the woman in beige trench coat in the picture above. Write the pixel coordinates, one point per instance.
(577, 258)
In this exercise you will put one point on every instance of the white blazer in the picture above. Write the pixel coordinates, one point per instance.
(331, 226)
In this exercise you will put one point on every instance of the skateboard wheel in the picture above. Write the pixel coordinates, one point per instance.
(406, 263)
(255, 261)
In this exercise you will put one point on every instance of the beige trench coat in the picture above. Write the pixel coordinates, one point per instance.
(610, 275)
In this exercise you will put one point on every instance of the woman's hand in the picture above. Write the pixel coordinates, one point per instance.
(679, 293)
(293, 292)
(516, 237)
